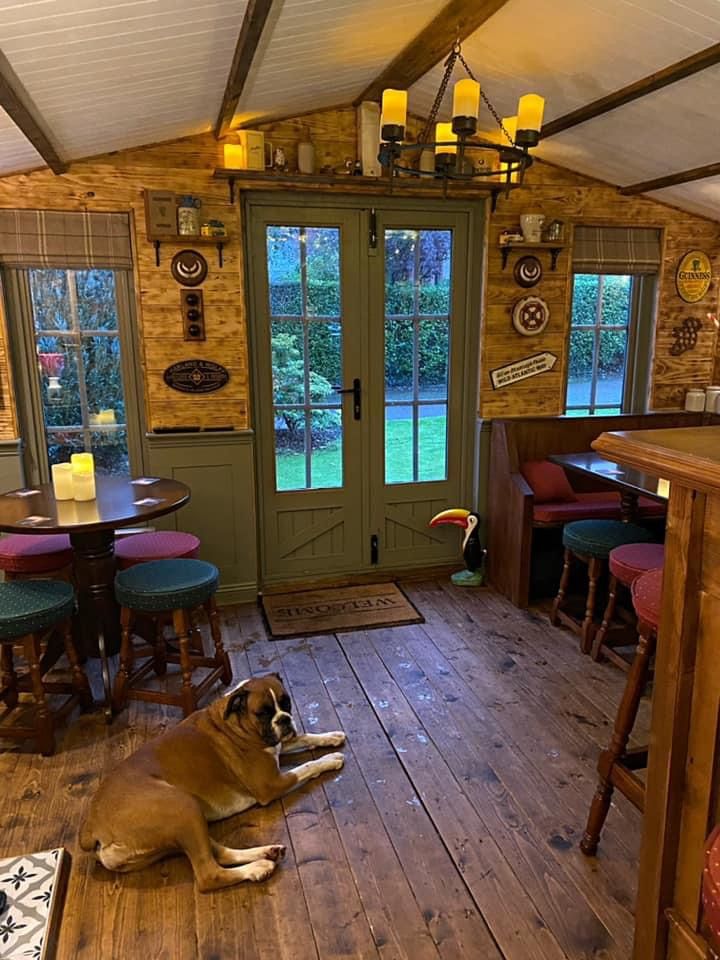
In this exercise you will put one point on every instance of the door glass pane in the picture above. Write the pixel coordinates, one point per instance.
(417, 349)
(304, 282)
(611, 368)
(579, 386)
(77, 341)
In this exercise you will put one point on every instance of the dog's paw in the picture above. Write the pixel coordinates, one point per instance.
(275, 852)
(334, 761)
(335, 739)
(260, 870)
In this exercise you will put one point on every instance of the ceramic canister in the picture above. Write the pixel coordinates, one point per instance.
(695, 400)
(712, 394)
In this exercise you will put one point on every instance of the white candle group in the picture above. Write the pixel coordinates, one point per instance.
(74, 480)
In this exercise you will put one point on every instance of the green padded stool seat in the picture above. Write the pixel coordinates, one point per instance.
(30, 612)
(175, 591)
(590, 542)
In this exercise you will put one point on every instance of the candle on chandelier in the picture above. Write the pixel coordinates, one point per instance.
(466, 99)
(394, 114)
(531, 107)
(510, 127)
(445, 139)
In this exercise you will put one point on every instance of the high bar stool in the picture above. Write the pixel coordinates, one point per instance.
(617, 764)
(29, 611)
(26, 555)
(590, 542)
(160, 545)
(626, 564)
(175, 588)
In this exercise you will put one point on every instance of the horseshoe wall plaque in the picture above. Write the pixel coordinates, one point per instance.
(189, 268)
(527, 271)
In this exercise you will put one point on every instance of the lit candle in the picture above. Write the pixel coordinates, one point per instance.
(510, 125)
(663, 487)
(83, 476)
(445, 138)
(530, 112)
(394, 108)
(234, 156)
(466, 98)
(62, 480)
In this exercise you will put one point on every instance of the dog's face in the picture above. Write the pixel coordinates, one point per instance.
(262, 706)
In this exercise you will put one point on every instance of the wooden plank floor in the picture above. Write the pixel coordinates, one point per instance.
(450, 833)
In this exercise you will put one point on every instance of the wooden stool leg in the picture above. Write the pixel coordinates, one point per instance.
(119, 696)
(607, 618)
(595, 567)
(181, 624)
(624, 722)
(43, 717)
(79, 678)
(159, 647)
(221, 656)
(562, 589)
(8, 677)
(196, 640)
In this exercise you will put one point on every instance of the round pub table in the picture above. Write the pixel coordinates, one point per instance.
(91, 524)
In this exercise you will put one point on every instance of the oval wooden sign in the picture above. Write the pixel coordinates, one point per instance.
(196, 376)
(693, 276)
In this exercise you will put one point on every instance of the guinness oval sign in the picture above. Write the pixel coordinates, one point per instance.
(196, 376)
(693, 276)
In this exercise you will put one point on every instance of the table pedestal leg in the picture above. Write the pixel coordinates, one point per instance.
(628, 506)
(98, 622)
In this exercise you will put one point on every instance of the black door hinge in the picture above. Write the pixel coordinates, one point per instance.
(372, 239)
(374, 552)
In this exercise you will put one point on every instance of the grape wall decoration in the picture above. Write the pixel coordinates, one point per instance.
(686, 336)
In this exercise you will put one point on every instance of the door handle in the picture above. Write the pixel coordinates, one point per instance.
(356, 391)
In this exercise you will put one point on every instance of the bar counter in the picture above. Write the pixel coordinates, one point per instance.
(683, 776)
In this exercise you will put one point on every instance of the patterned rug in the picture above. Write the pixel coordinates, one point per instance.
(34, 885)
(336, 609)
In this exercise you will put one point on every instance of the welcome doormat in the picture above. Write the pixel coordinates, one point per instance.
(338, 608)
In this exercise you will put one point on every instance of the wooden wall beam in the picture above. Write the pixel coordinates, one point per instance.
(686, 176)
(458, 19)
(256, 16)
(708, 57)
(15, 101)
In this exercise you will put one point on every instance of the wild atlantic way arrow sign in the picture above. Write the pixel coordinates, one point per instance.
(522, 369)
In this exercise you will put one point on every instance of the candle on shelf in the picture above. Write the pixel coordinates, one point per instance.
(234, 156)
(466, 99)
(445, 139)
(83, 476)
(62, 480)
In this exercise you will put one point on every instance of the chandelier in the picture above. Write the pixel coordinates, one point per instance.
(457, 151)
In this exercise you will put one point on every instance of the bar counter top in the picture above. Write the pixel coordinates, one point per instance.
(682, 803)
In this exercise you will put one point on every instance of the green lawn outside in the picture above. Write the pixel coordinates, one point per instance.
(327, 462)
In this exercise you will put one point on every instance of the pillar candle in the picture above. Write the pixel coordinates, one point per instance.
(62, 480)
(83, 476)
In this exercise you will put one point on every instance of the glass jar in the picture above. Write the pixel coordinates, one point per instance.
(188, 217)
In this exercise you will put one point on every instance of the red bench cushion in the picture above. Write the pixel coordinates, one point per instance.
(547, 481)
(604, 505)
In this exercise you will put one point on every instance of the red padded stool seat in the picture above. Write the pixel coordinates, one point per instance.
(629, 561)
(162, 545)
(24, 554)
(646, 595)
(711, 886)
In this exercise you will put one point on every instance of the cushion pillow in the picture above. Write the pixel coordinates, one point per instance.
(548, 482)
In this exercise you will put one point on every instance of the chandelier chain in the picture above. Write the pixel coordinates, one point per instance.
(490, 107)
(440, 96)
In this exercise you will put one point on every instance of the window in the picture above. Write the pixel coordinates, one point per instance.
(600, 343)
(70, 323)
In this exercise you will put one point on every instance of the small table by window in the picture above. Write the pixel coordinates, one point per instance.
(91, 525)
(631, 483)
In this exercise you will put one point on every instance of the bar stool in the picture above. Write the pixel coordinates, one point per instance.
(161, 545)
(626, 563)
(590, 541)
(711, 889)
(27, 555)
(617, 764)
(29, 611)
(175, 588)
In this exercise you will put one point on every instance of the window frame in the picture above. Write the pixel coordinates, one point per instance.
(18, 301)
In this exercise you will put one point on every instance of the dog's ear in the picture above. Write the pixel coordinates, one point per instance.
(237, 703)
(277, 677)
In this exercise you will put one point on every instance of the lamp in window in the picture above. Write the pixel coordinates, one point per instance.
(460, 151)
(52, 366)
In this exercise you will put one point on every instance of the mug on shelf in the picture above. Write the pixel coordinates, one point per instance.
(531, 225)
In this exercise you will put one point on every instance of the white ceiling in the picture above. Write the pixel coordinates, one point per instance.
(108, 74)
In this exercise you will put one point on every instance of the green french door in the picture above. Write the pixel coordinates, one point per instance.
(365, 359)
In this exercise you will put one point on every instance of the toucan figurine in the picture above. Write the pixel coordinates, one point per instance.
(473, 551)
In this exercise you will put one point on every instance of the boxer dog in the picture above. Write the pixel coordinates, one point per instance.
(217, 762)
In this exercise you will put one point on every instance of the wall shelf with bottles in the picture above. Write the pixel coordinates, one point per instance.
(162, 218)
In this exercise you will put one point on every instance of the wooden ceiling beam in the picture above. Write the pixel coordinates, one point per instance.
(686, 176)
(254, 21)
(709, 57)
(15, 101)
(457, 20)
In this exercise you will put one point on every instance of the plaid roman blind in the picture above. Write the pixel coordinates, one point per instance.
(616, 250)
(65, 240)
